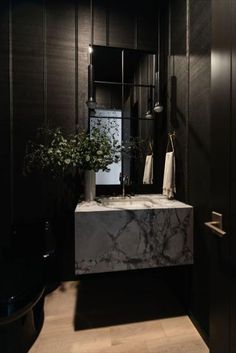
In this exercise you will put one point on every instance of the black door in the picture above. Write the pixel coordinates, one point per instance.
(223, 177)
(233, 187)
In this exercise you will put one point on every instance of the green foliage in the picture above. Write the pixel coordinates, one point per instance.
(101, 148)
(58, 155)
(50, 153)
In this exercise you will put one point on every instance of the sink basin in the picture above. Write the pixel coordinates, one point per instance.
(124, 202)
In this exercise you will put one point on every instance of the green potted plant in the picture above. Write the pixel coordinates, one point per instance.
(97, 151)
(52, 157)
(59, 161)
(64, 157)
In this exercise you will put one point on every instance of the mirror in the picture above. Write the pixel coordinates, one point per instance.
(124, 86)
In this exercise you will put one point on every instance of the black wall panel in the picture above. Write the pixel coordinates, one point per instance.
(189, 116)
(178, 13)
(233, 185)
(60, 56)
(179, 121)
(122, 23)
(199, 151)
(128, 24)
(49, 81)
(28, 111)
(221, 91)
(161, 121)
(84, 39)
(5, 125)
(233, 140)
(147, 25)
(61, 111)
(178, 86)
(100, 22)
(178, 115)
(200, 24)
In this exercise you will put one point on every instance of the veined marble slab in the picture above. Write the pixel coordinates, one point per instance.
(144, 231)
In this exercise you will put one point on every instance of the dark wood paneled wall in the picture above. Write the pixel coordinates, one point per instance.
(121, 12)
(28, 113)
(199, 182)
(60, 44)
(84, 39)
(5, 126)
(178, 86)
(189, 116)
(126, 24)
(43, 85)
(222, 279)
(232, 182)
(47, 81)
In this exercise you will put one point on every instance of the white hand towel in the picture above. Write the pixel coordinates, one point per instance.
(169, 187)
(148, 170)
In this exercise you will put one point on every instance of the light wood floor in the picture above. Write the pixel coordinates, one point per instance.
(168, 335)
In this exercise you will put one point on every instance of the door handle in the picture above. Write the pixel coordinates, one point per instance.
(216, 224)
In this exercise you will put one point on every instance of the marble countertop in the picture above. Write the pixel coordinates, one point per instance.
(137, 202)
(142, 231)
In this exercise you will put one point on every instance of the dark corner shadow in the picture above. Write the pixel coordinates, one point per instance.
(124, 297)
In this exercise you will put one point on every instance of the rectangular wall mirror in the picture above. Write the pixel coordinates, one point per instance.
(124, 86)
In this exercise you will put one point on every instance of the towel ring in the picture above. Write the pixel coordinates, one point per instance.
(170, 141)
(150, 146)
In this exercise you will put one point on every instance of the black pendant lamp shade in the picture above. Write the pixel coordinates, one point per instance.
(91, 102)
(158, 107)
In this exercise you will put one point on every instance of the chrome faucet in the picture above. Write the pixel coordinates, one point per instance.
(124, 179)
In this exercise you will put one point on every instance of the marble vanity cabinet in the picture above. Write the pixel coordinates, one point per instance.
(144, 231)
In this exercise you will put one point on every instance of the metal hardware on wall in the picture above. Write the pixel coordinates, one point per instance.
(215, 225)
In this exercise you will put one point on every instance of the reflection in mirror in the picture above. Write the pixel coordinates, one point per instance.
(124, 82)
(111, 118)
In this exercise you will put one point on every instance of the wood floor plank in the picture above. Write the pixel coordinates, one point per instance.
(136, 332)
(166, 335)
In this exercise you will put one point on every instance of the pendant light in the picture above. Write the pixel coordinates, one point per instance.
(158, 108)
(91, 102)
(148, 114)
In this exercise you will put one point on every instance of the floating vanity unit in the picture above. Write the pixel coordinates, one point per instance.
(142, 231)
